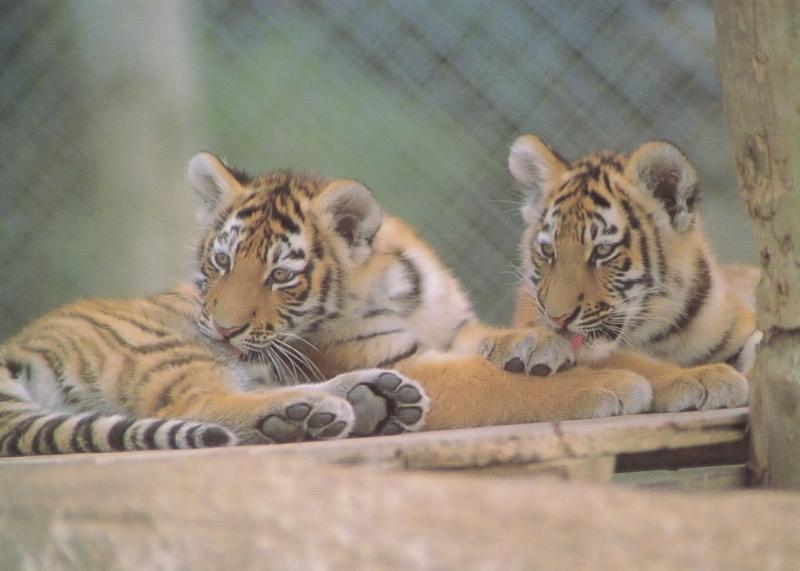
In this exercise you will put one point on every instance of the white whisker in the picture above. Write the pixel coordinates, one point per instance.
(303, 360)
(302, 340)
(280, 354)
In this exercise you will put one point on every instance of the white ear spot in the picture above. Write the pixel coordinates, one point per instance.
(537, 169)
(213, 182)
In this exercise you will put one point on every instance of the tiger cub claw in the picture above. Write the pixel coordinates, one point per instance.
(385, 402)
(533, 351)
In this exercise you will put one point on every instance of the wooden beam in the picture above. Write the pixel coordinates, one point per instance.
(483, 447)
(238, 509)
(758, 44)
(598, 469)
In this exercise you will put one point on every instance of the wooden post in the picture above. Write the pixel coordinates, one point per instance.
(759, 61)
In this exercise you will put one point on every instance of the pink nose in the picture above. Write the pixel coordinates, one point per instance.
(228, 332)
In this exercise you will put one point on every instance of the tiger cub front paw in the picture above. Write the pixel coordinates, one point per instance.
(700, 388)
(310, 415)
(385, 402)
(534, 351)
(612, 392)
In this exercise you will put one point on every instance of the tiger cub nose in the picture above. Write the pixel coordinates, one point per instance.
(228, 332)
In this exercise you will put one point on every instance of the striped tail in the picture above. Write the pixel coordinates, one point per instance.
(28, 428)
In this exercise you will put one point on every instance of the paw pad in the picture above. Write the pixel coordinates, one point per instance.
(321, 416)
(391, 429)
(540, 370)
(279, 430)
(409, 394)
(385, 402)
(320, 419)
(515, 365)
(214, 436)
(335, 429)
(298, 411)
(389, 381)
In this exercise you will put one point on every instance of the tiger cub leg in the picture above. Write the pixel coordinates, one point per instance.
(385, 402)
(534, 350)
(269, 416)
(467, 391)
(693, 388)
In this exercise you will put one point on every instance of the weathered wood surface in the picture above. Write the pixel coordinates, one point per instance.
(240, 510)
(587, 469)
(707, 479)
(758, 44)
(487, 447)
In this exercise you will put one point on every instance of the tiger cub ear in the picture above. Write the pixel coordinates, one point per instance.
(537, 170)
(352, 211)
(215, 183)
(662, 171)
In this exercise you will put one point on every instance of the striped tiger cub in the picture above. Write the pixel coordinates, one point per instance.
(616, 264)
(297, 279)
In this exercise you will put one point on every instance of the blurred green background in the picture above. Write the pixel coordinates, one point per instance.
(103, 103)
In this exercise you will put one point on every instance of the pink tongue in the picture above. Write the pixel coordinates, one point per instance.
(576, 341)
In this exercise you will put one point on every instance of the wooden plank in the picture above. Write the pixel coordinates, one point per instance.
(706, 479)
(239, 510)
(598, 469)
(484, 447)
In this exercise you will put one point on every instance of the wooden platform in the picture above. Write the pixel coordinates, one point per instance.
(473, 502)
(595, 449)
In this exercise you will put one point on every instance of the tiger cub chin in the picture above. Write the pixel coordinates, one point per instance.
(297, 279)
(616, 264)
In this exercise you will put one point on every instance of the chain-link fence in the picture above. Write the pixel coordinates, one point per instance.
(102, 104)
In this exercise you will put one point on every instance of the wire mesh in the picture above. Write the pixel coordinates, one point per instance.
(102, 104)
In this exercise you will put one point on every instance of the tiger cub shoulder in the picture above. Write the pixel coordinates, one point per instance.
(614, 255)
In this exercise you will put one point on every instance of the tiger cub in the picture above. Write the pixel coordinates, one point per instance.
(616, 265)
(297, 279)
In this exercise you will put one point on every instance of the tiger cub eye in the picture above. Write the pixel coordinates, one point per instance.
(602, 250)
(222, 261)
(547, 250)
(281, 275)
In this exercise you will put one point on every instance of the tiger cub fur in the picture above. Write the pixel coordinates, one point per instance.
(297, 279)
(616, 265)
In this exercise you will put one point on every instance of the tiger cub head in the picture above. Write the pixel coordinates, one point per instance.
(601, 234)
(275, 251)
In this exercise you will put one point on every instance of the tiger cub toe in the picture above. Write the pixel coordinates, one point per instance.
(701, 388)
(310, 416)
(617, 392)
(385, 402)
(533, 351)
